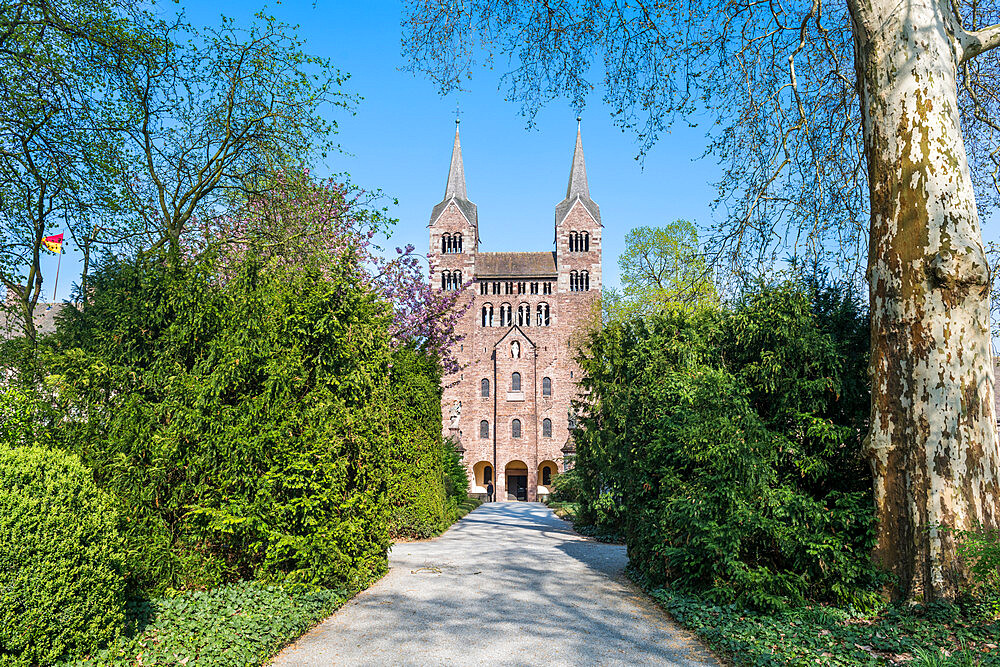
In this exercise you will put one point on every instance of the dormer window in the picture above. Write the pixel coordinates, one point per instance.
(579, 241)
(451, 244)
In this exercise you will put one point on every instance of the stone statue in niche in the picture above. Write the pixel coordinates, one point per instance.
(455, 413)
(515, 350)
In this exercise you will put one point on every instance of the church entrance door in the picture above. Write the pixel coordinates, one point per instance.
(517, 486)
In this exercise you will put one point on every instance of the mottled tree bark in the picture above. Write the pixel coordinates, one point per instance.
(933, 440)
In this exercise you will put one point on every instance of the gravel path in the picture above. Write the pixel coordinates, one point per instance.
(510, 584)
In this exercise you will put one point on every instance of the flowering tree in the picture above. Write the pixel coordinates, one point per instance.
(299, 215)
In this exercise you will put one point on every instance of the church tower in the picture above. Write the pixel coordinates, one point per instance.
(578, 230)
(454, 229)
(510, 404)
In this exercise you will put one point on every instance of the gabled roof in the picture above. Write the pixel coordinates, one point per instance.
(454, 190)
(516, 264)
(577, 189)
(512, 329)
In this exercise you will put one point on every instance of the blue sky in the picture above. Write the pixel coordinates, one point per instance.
(400, 142)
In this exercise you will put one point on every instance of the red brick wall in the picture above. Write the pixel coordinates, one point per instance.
(485, 352)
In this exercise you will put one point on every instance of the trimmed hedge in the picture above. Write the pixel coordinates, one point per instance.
(62, 588)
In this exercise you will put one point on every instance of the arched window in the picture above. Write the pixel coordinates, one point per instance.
(543, 314)
(488, 474)
(488, 315)
(546, 429)
(585, 248)
(506, 314)
(574, 281)
(451, 280)
(524, 315)
(484, 388)
(546, 475)
(515, 382)
(584, 281)
(515, 428)
(572, 241)
(546, 386)
(451, 244)
(484, 430)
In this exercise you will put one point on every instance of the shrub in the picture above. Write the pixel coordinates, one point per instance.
(417, 493)
(240, 415)
(568, 487)
(981, 550)
(717, 444)
(62, 588)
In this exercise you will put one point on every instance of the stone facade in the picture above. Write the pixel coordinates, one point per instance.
(510, 405)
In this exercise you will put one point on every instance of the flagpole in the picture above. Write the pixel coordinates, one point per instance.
(56, 286)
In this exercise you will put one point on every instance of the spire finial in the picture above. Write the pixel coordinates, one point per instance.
(578, 170)
(456, 172)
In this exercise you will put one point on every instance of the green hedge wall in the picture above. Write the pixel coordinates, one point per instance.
(242, 419)
(725, 445)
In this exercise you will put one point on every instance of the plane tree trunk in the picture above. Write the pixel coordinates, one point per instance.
(933, 440)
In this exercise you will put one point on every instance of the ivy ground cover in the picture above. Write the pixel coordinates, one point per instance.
(925, 635)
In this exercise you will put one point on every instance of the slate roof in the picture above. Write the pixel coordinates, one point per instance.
(577, 189)
(516, 265)
(454, 189)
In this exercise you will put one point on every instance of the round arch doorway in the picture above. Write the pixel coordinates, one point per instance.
(516, 474)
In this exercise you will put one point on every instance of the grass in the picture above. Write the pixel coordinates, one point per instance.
(930, 635)
(239, 624)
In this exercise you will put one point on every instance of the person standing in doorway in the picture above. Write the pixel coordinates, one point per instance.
(489, 492)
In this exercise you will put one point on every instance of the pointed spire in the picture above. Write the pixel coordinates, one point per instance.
(456, 173)
(578, 171)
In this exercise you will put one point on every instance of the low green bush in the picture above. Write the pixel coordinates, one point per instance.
(923, 636)
(238, 624)
(62, 585)
(568, 486)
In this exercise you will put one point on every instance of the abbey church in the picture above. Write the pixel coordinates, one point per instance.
(510, 406)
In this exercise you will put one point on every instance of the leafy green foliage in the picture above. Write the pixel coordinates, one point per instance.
(427, 479)
(981, 550)
(935, 634)
(241, 422)
(662, 267)
(568, 486)
(236, 624)
(717, 444)
(62, 585)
